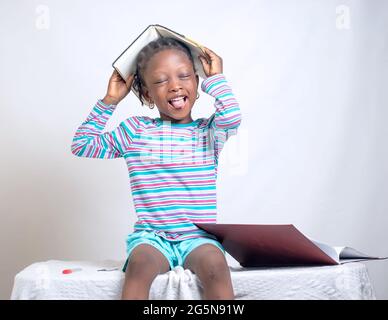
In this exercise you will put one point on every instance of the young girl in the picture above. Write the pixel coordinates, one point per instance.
(172, 164)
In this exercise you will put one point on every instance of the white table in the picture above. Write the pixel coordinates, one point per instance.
(45, 280)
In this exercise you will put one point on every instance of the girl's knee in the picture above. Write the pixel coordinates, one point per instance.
(142, 274)
(146, 262)
(214, 269)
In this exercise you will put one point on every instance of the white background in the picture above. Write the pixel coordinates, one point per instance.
(311, 79)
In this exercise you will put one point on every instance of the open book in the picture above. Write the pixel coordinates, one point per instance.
(257, 245)
(125, 64)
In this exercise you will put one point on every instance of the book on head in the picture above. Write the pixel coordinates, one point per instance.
(125, 64)
(261, 245)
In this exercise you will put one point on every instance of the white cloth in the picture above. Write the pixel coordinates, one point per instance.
(45, 280)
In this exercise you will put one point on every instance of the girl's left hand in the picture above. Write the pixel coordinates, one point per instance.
(212, 64)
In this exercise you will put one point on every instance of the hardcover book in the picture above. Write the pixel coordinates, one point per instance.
(125, 64)
(259, 245)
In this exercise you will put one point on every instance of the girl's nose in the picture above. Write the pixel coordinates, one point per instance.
(175, 84)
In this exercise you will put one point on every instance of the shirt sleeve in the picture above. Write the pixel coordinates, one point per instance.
(90, 141)
(226, 119)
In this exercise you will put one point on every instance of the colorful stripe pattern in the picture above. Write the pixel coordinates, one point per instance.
(172, 167)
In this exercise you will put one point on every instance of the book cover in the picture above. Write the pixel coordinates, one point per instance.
(259, 245)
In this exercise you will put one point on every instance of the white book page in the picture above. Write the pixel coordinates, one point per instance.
(343, 254)
(329, 250)
(350, 253)
(126, 63)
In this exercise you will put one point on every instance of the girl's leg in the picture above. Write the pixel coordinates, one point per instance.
(145, 263)
(211, 267)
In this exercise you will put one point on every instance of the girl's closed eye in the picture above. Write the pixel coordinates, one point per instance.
(185, 76)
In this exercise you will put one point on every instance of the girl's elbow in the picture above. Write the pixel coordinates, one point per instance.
(76, 150)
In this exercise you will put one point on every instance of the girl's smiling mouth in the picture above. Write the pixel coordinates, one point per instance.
(178, 103)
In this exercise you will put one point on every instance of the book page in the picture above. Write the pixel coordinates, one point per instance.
(125, 63)
(195, 47)
(343, 254)
(349, 254)
(329, 250)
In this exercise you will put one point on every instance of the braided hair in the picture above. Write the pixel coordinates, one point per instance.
(148, 52)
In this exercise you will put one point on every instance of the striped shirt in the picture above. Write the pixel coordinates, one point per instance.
(172, 167)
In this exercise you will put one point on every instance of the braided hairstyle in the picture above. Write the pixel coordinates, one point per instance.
(147, 53)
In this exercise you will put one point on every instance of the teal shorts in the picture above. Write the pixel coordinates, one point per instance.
(174, 251)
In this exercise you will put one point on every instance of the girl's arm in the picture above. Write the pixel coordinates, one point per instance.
(227, 114)
(227, 117)
(90, 141)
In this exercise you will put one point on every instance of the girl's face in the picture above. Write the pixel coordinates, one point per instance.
(169, 75)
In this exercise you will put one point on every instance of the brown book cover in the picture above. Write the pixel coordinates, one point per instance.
(259, 245)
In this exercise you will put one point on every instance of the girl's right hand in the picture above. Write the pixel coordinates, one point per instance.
(117, 88)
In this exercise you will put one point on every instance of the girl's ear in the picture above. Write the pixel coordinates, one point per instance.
(146, 95)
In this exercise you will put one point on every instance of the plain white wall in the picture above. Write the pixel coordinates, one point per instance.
(311, 79)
